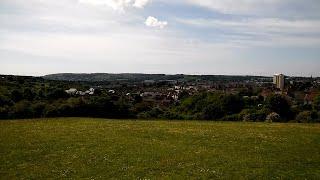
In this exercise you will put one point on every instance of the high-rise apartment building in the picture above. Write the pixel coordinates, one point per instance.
(278, 80)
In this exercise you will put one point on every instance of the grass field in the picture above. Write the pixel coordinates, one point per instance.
(101, 149)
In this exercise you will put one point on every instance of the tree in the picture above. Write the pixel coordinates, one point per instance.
(137, 99)
(41, 94)
(57, 93)
(38, 109)
(16, 95)
(316, 103)
(22, 109)
(51, 111)
(279, 104)
(212, 112)
(97, 92)
(232, 104)
(183, 95)
(4, 100)
(155, 112)
(142, 107)
(4, 111)
(28, 94)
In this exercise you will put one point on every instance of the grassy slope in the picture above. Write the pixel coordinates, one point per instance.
(94, 148)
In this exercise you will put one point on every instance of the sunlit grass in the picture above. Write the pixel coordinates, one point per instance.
(100, 149)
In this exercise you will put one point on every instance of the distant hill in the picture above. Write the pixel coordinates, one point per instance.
(96, 77)
(111, 77)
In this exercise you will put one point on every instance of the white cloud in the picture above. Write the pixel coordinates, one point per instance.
(118, 5)
(154, 22)
(140, 3)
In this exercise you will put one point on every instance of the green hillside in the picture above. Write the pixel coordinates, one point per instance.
(138, 77)
(100, 149)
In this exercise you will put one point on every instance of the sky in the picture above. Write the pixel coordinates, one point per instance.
(230, 37)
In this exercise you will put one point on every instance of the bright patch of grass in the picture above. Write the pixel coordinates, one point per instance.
(100, 149)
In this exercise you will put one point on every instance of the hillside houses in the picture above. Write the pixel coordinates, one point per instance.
(74, 92)
(299, 91)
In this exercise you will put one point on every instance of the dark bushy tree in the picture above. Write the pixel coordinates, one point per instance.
(212, 112)
(316, 103)
(232, 104)
(16, 95)
(57, 93)
(28, 94)
(279, 104)
(4, 112)
(4, 100)
(22, 109)
(38, 109)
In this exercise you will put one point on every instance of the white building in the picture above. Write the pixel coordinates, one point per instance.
(278, 80)
(71, 91)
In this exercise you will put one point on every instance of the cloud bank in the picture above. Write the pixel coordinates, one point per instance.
(205, 36)
(270, 8)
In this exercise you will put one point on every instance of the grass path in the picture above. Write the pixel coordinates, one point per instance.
(100, 149)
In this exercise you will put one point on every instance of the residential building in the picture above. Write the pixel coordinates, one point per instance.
(278, 80)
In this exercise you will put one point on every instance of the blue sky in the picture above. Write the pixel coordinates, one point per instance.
(236, 37)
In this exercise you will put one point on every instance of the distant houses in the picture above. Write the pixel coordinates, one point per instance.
(73, 91)
(298, 90)
(111, 91)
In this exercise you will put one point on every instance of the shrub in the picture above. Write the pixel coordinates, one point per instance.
(142, 107)
(253, 115)
(4, 112)
(38, 109)
(65, 110)
(171, 115)
(233, 117)
(273, 117)
(244, 112)
(51, 111)
(248, 118)
(143, 115)
(155, 113)
(306, 117)
(22, 110)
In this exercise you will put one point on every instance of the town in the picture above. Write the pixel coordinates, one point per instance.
(298, 90)
(159, 96)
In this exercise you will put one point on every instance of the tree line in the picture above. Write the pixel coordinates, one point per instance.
(27, 98)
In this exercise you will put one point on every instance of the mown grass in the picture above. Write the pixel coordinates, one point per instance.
(102, 149)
